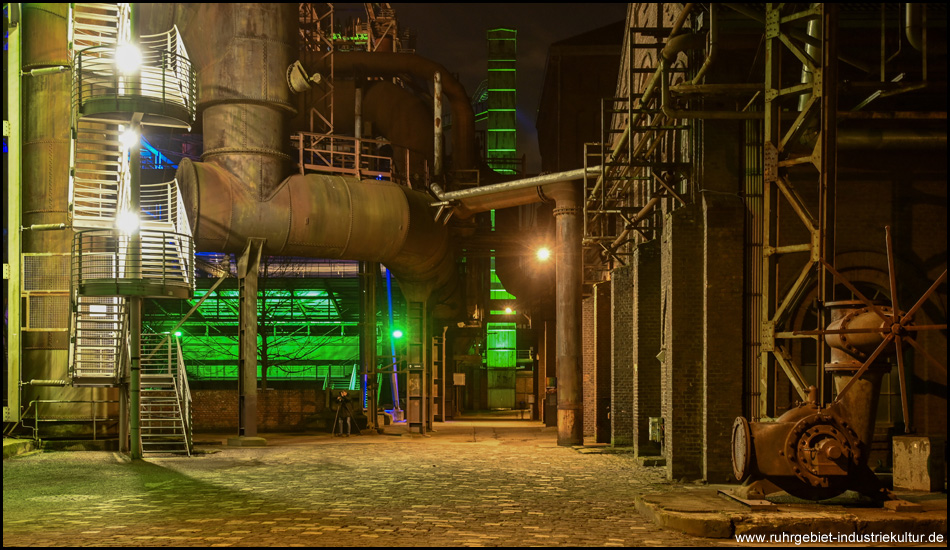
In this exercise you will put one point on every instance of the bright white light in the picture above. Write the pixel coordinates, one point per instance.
(129, 138)
(508, 310)
(544, 253)
(127, 222)
(128, 59)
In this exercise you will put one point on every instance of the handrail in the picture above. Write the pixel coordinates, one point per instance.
(357, 157)
(108, 255)
(184, 395)
(165, 74)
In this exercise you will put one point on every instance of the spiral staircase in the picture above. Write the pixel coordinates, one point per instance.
(113, 265)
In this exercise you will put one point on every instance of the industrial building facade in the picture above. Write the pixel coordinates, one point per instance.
(745, 207)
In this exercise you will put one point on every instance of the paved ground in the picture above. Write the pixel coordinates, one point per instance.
(470, 483)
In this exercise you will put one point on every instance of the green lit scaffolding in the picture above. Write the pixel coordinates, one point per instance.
(502, 138)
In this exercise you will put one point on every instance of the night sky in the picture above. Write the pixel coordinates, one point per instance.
(455, 36)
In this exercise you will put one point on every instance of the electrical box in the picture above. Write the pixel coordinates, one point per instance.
(656, 429)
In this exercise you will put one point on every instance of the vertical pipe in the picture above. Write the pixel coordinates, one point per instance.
(368, 348)
(358, 114)
(11, 413)
(570, 399)
(437, 112)
(392, 344)
(828, 180)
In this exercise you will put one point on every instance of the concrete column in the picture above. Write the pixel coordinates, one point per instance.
(570, 400)
(722, 331)
(647, 331)
(621, 351)
(682, 365)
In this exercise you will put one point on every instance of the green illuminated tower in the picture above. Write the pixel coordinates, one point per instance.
(502, 82)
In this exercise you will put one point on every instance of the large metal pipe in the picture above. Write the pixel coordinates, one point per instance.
(378, 64)
(241, 53)
(45, 189)
(325, 217)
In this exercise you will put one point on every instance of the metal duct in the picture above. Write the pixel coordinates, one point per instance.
(241, 52)
(389, 65)
(326, 217)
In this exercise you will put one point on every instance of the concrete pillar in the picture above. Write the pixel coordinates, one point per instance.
(621, 351)
(682, 352)
(647, 331)
(722, 331)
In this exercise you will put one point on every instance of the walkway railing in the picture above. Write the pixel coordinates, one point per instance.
(110, 257)
(164, 75)
(362, 158)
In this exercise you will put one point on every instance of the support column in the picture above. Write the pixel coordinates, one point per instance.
(368, 275)
(682, 370)
(602, 324)
(647, 331)
(248, 265)
(135, 379)
(621, 351)
(722, 331)
(589, 364)
(570, 400)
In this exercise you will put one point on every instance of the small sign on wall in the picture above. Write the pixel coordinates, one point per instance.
(458, 378)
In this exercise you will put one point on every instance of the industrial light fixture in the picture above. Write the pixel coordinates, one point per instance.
(544, 253)
(128, 58)
(129, 138)
(508, 310)
(397, 334)
(127, 222)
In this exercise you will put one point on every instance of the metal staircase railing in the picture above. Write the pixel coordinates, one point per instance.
(164, 398)
(99, 345)
(163, 86)
(99, 175)
(99, 25)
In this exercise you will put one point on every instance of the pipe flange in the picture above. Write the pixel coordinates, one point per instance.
(741, 448)
(821, 450)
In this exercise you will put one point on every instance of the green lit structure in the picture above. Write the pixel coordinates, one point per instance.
(502, 139)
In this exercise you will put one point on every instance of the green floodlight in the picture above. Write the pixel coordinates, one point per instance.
(397, 334)
(178, 333)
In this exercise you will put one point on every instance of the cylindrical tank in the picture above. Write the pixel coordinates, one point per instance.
(46, 144)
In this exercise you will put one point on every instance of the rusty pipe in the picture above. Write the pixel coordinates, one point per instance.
(324, 216)
(384, 64)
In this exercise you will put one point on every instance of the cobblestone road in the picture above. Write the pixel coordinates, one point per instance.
(467, 484)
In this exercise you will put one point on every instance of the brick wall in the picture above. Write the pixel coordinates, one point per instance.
(646, 345)
(589, 365)
(282, 409)
(602, 333)
(621, 365)
(682, 370)
(722, 331)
